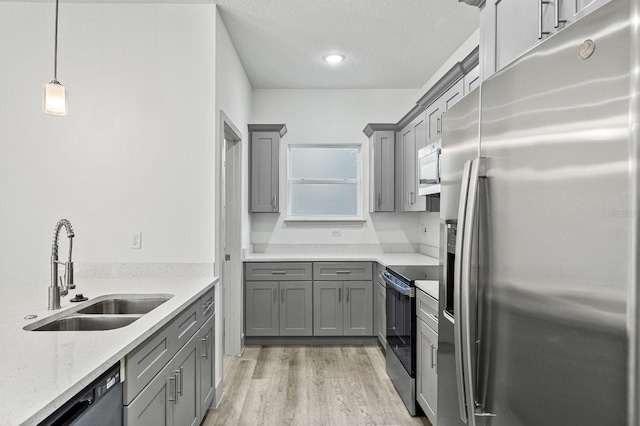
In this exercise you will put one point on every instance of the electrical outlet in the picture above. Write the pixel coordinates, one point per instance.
(136, 240)
(423, 227)
(336, 233)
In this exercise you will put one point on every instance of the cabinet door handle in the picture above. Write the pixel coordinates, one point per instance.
(348, 292)
(339, 295)
(438, 124)
(433, 357)
(558, 20)
(541, 16)
(205, 348)
(411, 197)
(379, 200)
(175, 390)
(282, 295)
(181, 387)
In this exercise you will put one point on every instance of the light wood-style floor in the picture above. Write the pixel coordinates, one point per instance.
(309, 385)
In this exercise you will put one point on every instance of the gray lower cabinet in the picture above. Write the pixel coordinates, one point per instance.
(342, 308)
(186, 368)
(427, 373)
(275, 308)
(261, 308)
(381, 312)
(207, 365)
(171, 397)
(170, 378)
(152, 407)
(296, 308)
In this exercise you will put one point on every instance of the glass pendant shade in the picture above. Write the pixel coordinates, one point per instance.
(55, 99)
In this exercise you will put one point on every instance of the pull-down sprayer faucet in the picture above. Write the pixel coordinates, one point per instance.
(55, 290)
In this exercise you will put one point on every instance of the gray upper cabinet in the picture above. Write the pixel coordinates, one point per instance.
(411, 138)
(440, 106)
(265, 167)
(472, 79)
(509, 28)
(381, 167)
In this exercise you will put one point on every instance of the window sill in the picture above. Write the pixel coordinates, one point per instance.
(325, 220)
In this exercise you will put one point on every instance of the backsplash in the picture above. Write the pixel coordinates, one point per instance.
(143, 270)
(335, 248)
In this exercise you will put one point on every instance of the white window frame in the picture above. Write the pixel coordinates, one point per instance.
(358, 217)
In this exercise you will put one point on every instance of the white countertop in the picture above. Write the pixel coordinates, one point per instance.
(41, 370)
(430, 287)
(408, 259)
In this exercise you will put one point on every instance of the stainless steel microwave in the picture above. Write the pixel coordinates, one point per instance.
(429, 169)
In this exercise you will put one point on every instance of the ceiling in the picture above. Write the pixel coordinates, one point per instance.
(388, 44)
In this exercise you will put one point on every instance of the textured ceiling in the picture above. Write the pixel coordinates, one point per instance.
(387, 43)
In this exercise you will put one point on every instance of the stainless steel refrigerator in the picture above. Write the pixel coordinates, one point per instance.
(538, 226)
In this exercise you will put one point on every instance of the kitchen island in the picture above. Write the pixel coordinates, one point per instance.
(41, 370)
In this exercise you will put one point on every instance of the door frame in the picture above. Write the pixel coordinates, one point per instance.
(229, 229)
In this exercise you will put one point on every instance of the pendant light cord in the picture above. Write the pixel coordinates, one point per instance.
(55, 49)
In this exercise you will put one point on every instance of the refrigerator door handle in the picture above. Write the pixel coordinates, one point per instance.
(457, 324)
(468, 340)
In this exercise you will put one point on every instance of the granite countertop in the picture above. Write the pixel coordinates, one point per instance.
(41, 370)
(408, 259)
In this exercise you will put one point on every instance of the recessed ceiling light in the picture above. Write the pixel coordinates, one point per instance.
(334, 58)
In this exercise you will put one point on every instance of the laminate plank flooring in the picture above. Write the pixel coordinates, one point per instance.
(309, 386)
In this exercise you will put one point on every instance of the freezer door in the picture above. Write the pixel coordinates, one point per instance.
(554, 231)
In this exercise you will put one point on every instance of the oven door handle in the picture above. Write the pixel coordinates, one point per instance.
(402, 290)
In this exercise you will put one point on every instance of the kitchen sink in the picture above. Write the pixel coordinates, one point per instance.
(88, 323)
(115, 311)
(124, 306)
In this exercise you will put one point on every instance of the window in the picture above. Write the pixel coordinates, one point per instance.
(324, 182)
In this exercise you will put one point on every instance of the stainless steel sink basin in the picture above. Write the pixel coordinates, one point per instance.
(123, 306)
(111, 312)
(88, 323)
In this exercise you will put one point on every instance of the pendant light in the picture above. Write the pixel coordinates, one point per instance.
(55, 94)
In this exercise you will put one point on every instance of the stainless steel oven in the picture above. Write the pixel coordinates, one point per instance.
(401, 327)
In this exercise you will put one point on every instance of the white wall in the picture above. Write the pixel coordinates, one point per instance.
(331, 116)
(135, 152)
(234, 97)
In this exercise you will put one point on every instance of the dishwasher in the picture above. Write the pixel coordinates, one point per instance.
(99, 404)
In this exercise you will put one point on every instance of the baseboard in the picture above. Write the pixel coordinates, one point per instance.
(311, 340)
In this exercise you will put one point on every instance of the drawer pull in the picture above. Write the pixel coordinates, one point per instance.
(278, 272)
(343, 272)
(205, 347)
(175, 389)
(433, 317)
